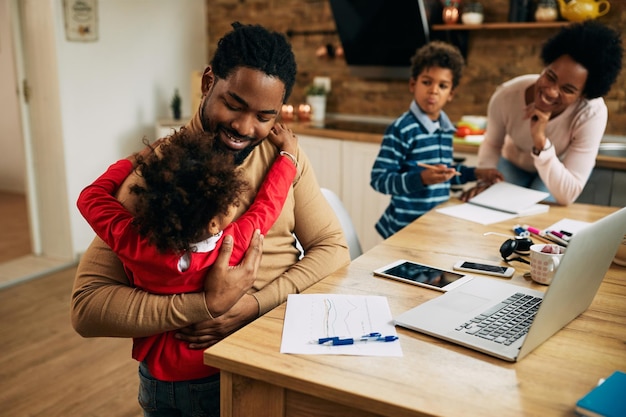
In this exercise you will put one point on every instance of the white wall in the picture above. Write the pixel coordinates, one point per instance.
(115, 89)
(12, 159)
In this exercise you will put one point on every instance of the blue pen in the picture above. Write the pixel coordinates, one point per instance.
(340, 341)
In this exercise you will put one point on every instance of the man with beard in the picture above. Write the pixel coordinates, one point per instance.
(249, 78)
(544, 130)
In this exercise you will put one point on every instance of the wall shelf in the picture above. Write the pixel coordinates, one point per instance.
(500, 25)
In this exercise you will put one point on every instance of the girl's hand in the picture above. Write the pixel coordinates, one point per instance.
(283, 138)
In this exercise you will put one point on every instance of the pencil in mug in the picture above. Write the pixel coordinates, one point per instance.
(457, 173)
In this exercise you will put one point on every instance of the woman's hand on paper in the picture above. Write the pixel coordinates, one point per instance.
(488, 175)
(486, 178)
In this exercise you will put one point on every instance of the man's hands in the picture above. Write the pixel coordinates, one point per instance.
(224, 285)
(225, 290)
(205, 334)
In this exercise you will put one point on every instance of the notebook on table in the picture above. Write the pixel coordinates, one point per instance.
(454, 315)
(502, 201)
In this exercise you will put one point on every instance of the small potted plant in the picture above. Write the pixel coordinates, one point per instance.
(175, 105)
(315, 90)
(316, 98)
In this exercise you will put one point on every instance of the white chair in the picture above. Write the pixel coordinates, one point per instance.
(346, 222)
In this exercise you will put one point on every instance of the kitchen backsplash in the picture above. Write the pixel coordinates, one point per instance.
(494, 56)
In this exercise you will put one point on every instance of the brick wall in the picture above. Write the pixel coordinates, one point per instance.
(493, 56)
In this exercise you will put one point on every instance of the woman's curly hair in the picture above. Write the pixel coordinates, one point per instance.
(595, 47)
(187, 183)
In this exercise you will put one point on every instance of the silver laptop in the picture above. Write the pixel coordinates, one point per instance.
(453, 316)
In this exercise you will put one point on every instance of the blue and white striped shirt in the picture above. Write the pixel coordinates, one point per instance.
(410, 139)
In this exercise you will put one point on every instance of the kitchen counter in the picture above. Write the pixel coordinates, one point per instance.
(369, 132)
(357, 130)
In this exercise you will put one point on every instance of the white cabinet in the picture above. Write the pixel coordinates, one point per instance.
(325, 157)
(364, 204)
(344, 166)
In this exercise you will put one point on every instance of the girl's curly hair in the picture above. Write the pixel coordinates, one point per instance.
(187, 184)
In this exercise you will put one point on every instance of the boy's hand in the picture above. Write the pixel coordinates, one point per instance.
(441, 173)
(283, 138)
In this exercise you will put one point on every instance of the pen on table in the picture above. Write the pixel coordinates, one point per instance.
(554, 236)
(537, 233)
(428, 166)
(340, 341)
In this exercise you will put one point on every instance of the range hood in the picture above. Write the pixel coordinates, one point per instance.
(379, 37)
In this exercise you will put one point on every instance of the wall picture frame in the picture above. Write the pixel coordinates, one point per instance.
(81, 20)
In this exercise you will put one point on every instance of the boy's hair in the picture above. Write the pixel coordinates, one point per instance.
(595, 47)
(187, 183)
(438, 54)
(253, 46)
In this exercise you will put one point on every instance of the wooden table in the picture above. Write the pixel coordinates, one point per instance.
(434, 377)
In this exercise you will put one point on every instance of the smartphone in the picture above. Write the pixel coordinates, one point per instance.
(487, 269)
(423, 275)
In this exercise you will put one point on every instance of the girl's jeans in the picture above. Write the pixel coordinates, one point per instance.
(196, 398)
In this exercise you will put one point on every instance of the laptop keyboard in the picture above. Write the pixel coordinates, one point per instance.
(505, 322)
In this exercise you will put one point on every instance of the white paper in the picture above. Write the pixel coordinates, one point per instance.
(309, 317)
(476, 214)
(508, 197)
(569, 225)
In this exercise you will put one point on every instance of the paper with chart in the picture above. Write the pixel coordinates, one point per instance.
(309, 317)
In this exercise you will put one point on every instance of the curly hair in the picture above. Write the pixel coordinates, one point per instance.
(595, 47)
(186, 186)
(254, 46)
(438, 54)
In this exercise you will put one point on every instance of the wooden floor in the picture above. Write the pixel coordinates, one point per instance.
(46, 369)
(14, 230)
(17, 261)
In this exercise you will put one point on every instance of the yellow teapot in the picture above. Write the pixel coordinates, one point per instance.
(579, 10)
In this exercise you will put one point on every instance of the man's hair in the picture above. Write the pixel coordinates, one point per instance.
(255, 47)
(438, 54)
(187, 183)
(595, 47)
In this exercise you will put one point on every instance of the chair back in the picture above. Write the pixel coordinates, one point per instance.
(346, 222)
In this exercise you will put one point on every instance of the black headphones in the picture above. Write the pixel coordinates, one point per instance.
(519, 245)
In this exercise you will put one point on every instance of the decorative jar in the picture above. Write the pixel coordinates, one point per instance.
(472, 14)
(546, 11)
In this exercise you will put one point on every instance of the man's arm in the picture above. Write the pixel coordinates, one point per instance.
(105, 305)
(320, 234)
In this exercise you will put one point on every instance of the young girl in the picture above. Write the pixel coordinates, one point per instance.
(169, 231)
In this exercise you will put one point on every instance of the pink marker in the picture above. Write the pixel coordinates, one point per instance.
(533, 230)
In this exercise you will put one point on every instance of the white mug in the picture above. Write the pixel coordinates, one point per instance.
(544, 261)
